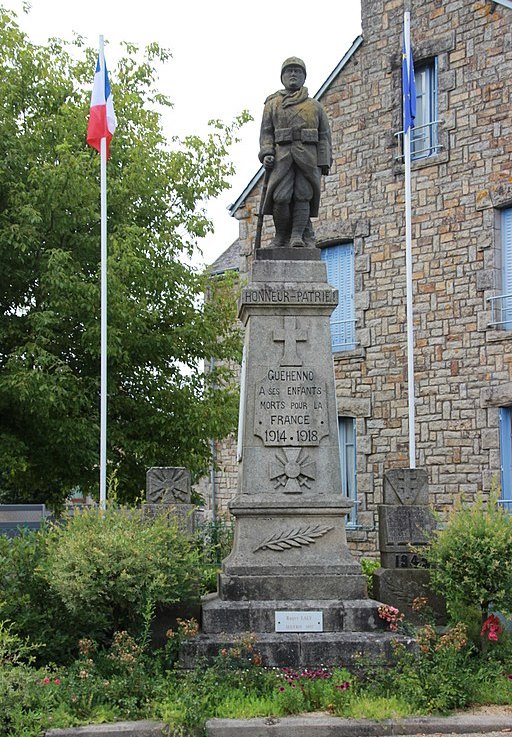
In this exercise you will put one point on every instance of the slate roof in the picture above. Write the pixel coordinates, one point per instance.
(229, 260)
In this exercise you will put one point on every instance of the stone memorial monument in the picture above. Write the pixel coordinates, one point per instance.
(290, 578)
(168, 489)
(406, 523)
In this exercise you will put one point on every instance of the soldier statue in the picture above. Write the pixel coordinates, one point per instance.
(295, 149)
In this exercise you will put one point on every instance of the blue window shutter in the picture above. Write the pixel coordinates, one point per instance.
(339, 260)
(506, 259)
(347, 439)
(506, 455)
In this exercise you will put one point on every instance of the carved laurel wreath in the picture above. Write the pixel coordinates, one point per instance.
(295, 538)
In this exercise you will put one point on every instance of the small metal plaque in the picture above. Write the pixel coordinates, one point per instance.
(299, 621)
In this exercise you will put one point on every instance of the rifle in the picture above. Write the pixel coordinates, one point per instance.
(259, 227)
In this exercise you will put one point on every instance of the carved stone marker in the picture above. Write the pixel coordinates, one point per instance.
(405, 525)
(168, 489)
(290, 577)
(168, 485)
(405, 520)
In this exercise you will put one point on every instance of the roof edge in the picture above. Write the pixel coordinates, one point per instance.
(337, 69)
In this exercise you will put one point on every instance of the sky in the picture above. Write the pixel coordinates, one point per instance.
(227, 58)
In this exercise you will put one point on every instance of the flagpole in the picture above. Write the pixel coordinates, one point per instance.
(408, 267)
(103, 340)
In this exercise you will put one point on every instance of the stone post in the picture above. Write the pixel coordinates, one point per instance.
(406, 523)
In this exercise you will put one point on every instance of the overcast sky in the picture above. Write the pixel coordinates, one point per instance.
(227, 57)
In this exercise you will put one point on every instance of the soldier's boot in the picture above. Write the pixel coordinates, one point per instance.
(300, 222)
(282, 223)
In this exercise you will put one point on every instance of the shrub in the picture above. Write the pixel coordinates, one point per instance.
(440, 677)
(24, 699)
(471, 558)
(36, 612)
(110, 568)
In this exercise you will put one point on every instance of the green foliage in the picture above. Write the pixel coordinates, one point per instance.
(35, 610)
(215, 540)
(369, 566)
(471, 558)
(440, 677)
(315, 690)
(162, 407)
(23, 704)
(111, 568)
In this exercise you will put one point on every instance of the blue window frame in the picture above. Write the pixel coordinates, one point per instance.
(506, 264)
(506, 456)
(424, 138)
(347, 435)
(339, 260)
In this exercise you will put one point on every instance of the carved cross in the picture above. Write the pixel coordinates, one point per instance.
(290, 335)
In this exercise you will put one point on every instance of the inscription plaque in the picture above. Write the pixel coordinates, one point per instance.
(299, 621)
(290, 408)
(405, 526)
(288, 296)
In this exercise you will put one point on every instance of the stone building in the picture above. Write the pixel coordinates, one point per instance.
(462, 253)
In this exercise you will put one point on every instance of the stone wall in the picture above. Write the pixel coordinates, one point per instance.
(462, 368)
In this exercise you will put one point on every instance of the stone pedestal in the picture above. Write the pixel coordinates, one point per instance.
(290, 578)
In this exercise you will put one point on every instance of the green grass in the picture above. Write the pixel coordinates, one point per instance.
(377, 708)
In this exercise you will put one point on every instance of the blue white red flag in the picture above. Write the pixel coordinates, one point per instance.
(102, 118)
(408, 91)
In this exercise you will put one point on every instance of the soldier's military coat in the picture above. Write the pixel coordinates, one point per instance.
(296, 131)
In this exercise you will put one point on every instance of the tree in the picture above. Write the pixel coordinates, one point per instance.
(162, 407)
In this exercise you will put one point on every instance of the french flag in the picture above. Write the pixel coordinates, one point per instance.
(102, 118)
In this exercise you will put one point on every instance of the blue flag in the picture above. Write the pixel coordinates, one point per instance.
(408, 91)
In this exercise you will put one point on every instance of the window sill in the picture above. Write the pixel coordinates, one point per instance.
(358, 352)
(497, 336)
(440, 158)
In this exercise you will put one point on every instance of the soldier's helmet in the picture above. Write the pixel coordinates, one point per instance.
(293, 61)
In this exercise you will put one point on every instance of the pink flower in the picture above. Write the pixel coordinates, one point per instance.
(492, 627)
(57, 681)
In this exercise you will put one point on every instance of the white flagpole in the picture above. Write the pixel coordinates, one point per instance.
(103, 350)
(408, 267)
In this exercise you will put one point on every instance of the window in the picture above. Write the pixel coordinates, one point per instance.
(424, 133)
(506, 269)
(339, 260)
(501, 304)
(424, 136)
(506, 456)
(347, 433)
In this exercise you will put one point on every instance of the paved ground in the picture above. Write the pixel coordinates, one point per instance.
(492, 721)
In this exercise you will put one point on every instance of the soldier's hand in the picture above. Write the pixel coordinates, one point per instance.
(268, 162)
(325, 170)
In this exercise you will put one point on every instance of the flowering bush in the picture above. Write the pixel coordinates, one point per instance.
(491, 628)
(313, 689)
(391, 615)
(471, 559)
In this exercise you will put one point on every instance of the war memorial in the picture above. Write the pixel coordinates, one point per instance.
(290, 578)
